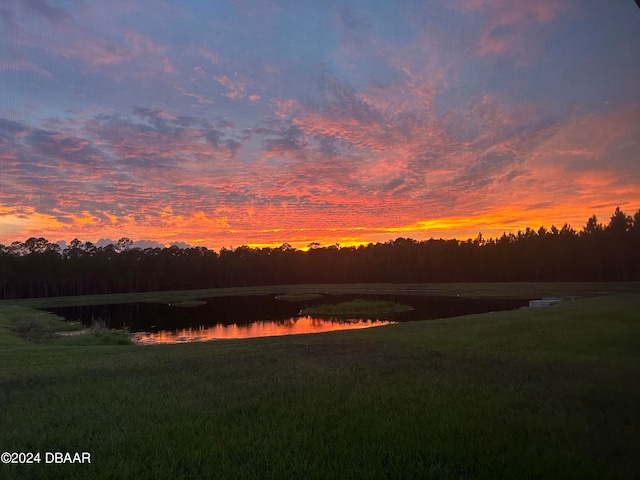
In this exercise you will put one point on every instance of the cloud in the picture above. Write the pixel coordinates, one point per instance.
(69, 37)
(586, 146)
(202, 100)
(98, 53)
(118, 179)
(10, 127)
(22, 63)
(515, 12)
(147, 244)
(55, 15)
(509, 25)
(358, 124)
(236, 88)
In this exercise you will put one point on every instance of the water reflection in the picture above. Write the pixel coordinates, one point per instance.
(271, 328)
(263, 315)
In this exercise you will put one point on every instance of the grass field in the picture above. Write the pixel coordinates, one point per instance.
(361, 307)
(533, 393)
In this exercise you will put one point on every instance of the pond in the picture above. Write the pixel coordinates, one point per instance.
(263, 316)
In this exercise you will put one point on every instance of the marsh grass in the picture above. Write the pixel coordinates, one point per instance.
(38, 327)
(32, 329)
(357, 306)
(298, 297)
(95, 337)
(527, 394)
(97, 334)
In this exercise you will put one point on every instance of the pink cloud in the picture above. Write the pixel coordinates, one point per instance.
(593, 143)
(209, 55)
(237, 88)
(98, 53)
(25, 64)
(354, 194)
(72, 40)
(514, 12)
(282, 107)
(199, 98)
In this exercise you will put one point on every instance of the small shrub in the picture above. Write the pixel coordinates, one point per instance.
(33, 329)
(98, 326)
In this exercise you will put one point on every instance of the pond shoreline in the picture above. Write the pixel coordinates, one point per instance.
(266, 315)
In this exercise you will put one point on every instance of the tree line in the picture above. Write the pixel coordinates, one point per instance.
(611, 252)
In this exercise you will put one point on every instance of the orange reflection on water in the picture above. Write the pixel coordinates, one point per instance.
(273, 328)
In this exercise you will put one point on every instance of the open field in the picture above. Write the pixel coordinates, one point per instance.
(533, 393)
(295, 292)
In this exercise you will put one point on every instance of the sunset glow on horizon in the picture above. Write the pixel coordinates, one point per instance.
(264, 122)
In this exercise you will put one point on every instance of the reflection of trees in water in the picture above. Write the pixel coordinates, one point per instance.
(291, 326)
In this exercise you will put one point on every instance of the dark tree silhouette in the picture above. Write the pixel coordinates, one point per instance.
(36, 267)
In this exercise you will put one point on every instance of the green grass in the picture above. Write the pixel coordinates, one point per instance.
(31, 325)
(357, 307)
(298, 297)
(528, 394)
(18, 324)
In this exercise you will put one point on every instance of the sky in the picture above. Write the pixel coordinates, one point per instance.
(259, 122)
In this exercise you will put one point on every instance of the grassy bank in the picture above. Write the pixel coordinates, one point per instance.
(359, 307)
(20, 324)
(532, 393)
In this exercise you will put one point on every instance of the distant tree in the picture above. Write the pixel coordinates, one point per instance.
(593, 227)
(6, 270)
(74, 250)
(592, 249)
(636, 221)
(38, 245)
(617, 232)
(619, 223)
(634, 241)
(479, 240)
(124, 244)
